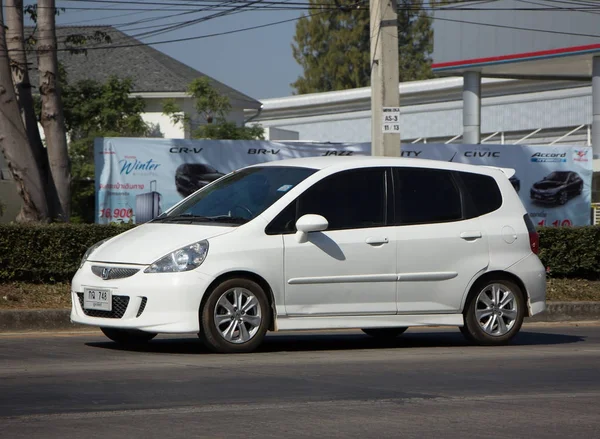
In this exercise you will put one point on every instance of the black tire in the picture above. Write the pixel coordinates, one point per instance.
(384, 333)
(473, 330)
(210, 332)
(128, 336)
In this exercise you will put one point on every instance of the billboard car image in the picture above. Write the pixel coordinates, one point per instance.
(557, 187)
(189, 177)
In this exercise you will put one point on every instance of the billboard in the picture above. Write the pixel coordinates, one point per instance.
(139, 178)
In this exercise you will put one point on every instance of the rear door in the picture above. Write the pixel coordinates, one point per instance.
(440, 246)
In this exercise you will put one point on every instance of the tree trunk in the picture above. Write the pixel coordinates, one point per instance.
(52, 117)
(14, 143)
(15, 41)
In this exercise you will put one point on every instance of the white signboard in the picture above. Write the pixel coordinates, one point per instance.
(391, 120)
(139, 178)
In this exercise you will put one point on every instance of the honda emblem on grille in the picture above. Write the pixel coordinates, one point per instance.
(106, 273)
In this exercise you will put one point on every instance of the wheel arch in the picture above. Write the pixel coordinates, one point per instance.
(497, 275)
(246, 275)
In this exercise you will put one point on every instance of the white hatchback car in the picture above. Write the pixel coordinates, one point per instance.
(380, 244)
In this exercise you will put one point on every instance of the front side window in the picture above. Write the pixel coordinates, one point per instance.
(348, 200)
(238, 197)
(425, 195)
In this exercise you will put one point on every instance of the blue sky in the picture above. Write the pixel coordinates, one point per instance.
(258, 62)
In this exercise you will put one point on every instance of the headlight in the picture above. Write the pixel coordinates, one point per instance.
(184, 259)
(91, 250)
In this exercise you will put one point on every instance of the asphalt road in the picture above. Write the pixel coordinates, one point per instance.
(427, 383)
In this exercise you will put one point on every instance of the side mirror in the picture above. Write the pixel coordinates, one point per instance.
(309, 223)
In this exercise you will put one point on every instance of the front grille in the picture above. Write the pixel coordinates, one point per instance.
(119, 305)
(108, 273)
(142, 306)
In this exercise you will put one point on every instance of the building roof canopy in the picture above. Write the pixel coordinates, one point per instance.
(517, 39)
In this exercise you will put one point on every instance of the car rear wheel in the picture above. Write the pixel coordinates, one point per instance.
(235, 317)
(128, 336)
(495, 313)
(384, 332)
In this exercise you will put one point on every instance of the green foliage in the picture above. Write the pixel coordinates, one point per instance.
(52, 252)
(571, 252)
(48, 253)
(93, 109)
(230, 131)
(333, 48)
(213, 107)
(209, 102)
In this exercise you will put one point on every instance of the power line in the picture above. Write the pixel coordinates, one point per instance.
(321, 11)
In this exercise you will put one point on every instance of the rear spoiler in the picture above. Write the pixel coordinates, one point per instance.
(509, 172)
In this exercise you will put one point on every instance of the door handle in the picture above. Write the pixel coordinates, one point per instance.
(376, 241)
(469, 236)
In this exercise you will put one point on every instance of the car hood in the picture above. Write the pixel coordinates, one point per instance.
(148, 242)
(548, 185)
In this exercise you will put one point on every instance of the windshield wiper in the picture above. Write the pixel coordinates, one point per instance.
(201, 218)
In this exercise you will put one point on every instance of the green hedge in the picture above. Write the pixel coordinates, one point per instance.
(572, 252)
(51, 253)
(47, 253)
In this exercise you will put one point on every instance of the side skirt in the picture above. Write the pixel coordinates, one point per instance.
(285, 323)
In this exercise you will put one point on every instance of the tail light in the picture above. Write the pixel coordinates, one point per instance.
(534, 237)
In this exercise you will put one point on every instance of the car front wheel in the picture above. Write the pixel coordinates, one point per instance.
(563, 197)
(128, 336)
(235, 317)
(495, 314)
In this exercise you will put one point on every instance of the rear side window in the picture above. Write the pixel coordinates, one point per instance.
(483, 191)
(426, 196)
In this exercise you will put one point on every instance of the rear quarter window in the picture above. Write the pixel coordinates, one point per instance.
(483, 193)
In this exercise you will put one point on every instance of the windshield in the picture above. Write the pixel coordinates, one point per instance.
(238, 197)
(558, 176)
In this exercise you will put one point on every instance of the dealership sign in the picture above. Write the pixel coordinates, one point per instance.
(139, 178)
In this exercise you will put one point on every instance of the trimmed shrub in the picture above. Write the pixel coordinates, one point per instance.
(572, 252)
(48, 253)
(52, 253)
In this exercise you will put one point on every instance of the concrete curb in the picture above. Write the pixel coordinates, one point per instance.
(568, 312)
(59, 319)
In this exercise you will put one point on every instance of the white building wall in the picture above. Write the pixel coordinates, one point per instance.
(433, 109)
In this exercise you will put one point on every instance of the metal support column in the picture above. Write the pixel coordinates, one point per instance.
(596, 107)
(472, 108)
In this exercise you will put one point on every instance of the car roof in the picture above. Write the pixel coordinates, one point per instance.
(352, 162)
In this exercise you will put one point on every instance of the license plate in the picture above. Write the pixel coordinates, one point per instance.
(96, 298)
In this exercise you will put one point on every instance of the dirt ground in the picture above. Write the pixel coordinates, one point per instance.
(35, 296)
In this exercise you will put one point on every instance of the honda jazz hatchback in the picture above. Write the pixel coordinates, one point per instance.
(380, 244)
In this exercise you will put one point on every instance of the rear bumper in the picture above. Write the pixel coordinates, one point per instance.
(533, 274)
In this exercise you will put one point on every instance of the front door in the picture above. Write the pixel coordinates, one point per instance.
(349, 269)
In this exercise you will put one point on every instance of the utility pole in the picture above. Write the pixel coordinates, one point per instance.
(385, 97)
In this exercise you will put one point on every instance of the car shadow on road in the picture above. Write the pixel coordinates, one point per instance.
(290, 342)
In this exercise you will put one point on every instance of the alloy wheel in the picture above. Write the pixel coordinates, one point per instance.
(496, 309)
(237, 315)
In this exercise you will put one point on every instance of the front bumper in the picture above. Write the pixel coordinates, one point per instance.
(157, 302)
(544, 197)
